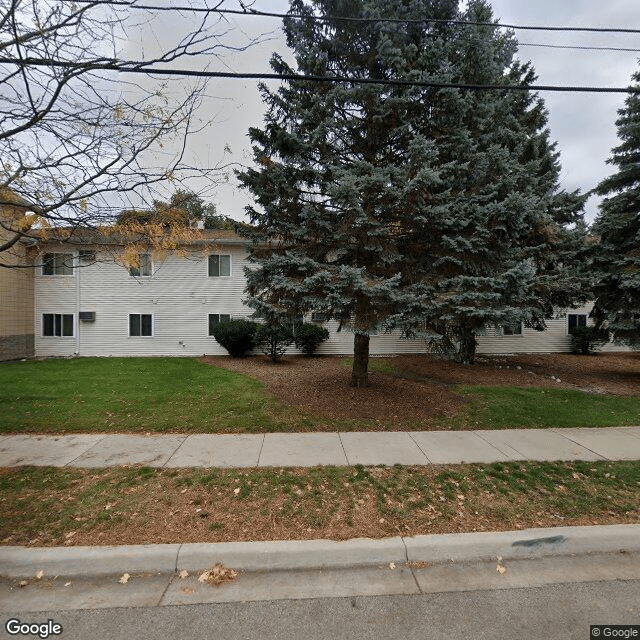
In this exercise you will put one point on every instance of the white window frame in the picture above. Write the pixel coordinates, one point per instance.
(149, 264)
(586, 321)
(511, 335)
(69, 262)
(140, 313)
(219, 255)
(219, 320)
(62, 335)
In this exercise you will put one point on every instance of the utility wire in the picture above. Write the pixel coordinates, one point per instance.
(269, 14)
(139, 67)
(573, 46)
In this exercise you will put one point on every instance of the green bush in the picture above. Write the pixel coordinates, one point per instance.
(274, 338)
(236, 336)
(585, 340)
(308, 337)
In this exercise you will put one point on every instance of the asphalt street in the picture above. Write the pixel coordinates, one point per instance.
(551, 612)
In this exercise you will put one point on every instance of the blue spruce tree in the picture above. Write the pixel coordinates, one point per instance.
(616, 260)
(404, 206)
(507, 234)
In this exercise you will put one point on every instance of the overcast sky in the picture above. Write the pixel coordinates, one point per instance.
(582, 124)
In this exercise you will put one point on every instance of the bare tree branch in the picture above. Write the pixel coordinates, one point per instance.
(77, 143)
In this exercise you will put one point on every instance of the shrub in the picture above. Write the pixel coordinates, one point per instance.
(274, 338)
(236, 336)
(308, 337)
(585, 340)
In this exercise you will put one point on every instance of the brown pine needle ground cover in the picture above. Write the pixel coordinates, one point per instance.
(138, 505)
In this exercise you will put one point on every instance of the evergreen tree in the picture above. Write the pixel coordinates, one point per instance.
(388, 206)
(344, 167)
(507, 242)
(617, 257)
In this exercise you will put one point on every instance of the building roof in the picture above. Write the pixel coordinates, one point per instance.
(93, 237)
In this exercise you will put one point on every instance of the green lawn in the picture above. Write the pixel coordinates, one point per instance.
(136, 394)
(185, 395)
(504, 407)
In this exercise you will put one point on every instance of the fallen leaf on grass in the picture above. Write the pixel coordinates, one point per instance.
(184, 574)
(124, 579)
(501, 569)
(217, 575)
(39, 574)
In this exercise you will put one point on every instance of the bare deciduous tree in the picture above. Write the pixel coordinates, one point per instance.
(78, 139)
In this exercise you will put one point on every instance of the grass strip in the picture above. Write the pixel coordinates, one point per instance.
(138, 505)
(506, 407)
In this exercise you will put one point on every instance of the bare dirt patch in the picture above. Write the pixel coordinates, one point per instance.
(423, 387)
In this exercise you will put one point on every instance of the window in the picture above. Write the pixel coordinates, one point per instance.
(57, 264)
(144, 269)
(140, 324)
(576, 320)
(87, 255)
(217, 318)
(219, 265)
(514, 329)
(57, 324)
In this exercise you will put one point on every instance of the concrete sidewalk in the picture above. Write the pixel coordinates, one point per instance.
(313, 449)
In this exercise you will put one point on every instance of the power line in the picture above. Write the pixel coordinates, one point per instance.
(269, 14)
(573, 46)
(139, 67)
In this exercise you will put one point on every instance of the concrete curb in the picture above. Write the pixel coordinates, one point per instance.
(24, 562)
(296, 554)
(21, 562)
(523, 544)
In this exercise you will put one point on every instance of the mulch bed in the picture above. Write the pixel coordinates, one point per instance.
(424, 386)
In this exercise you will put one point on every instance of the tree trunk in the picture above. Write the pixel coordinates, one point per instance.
(468, 344)
(359, 373)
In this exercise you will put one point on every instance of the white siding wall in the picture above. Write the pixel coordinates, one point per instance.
(555, 339)
(55, 294)
(180, 295)
(340, 343)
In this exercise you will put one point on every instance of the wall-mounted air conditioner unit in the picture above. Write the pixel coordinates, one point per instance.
(87, 316)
